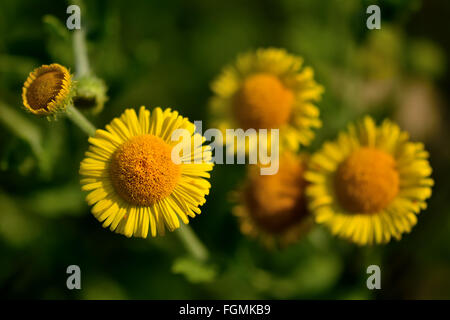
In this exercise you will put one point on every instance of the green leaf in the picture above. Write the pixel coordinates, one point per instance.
(58, 40)
(70, 201)
(16, 227)
(194, 270)
(56, 27)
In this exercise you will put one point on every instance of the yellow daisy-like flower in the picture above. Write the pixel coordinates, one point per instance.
(273, 207)
(133, 182)
(369, 185)
(47, 90)
(268, 89)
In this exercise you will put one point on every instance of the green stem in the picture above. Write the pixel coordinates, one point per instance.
(80, 120)
(192, 243)
(80, 52)
(79, 46)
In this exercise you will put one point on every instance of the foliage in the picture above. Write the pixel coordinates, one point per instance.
(165, 53)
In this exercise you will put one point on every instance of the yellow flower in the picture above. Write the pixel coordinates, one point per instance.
(369, 185)
(47, 90)
(134, 185)
(273, 207)
(268, 89)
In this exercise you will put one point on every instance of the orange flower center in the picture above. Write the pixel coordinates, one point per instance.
(276, 202)
(142, 170)
(263, 102)
(367, 181)
(44, 89)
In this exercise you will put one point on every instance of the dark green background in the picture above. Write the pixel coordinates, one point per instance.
(165, 53)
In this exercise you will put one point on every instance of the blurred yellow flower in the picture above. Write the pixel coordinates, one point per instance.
(47, 90)
(268, 89)
(134, 185)
(273, 207)
(369, 185)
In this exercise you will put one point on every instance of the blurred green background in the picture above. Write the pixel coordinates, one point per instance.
(165, 53)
